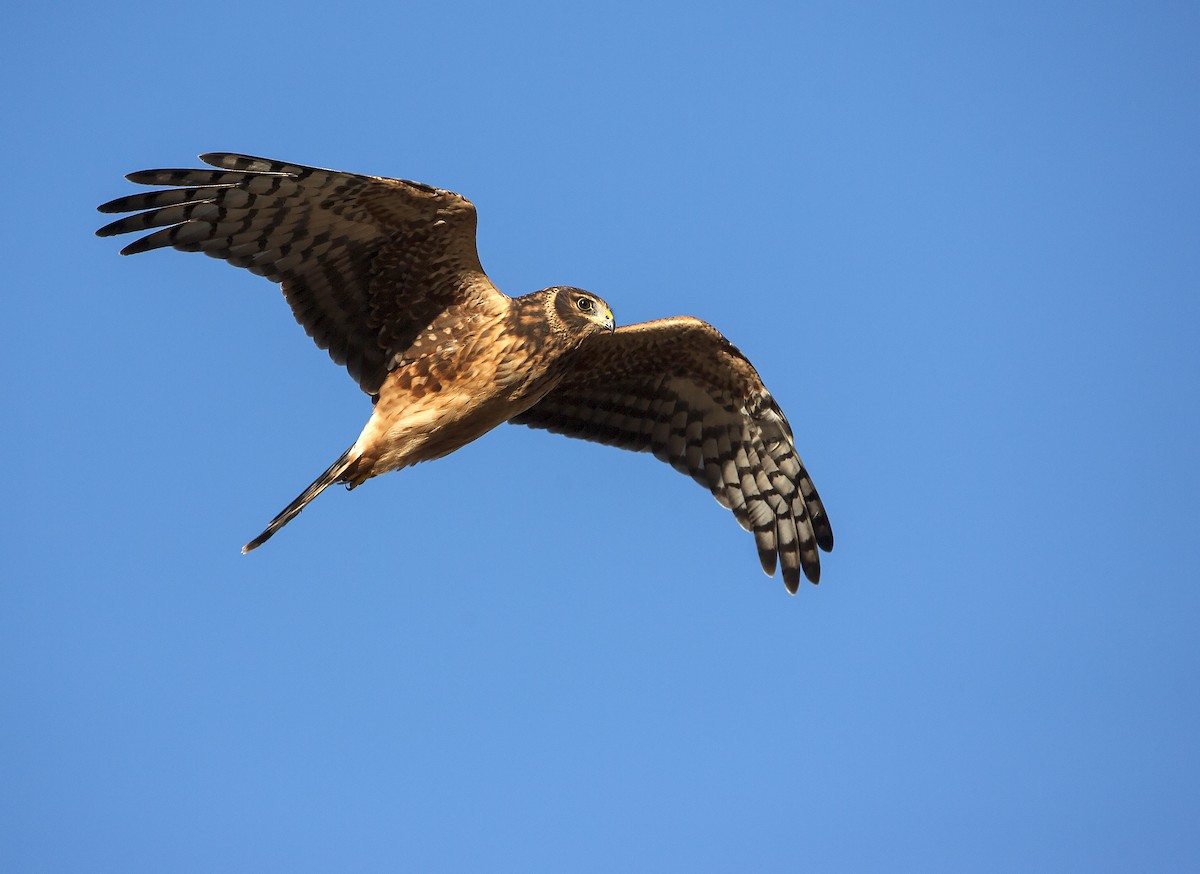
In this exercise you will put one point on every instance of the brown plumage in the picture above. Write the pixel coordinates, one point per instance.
(384, 274)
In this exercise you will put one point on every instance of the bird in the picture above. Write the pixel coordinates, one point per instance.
(384, 275)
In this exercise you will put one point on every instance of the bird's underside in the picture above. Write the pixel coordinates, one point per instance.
(384, 275)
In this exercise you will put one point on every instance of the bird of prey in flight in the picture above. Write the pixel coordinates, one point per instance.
(385, 276)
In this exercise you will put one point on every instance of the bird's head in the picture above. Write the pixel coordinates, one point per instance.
(580, 312)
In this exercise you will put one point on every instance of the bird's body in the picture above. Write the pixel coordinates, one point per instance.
(383, 273)
(453, 385)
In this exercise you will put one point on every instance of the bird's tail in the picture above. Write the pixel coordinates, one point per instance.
(331, 475)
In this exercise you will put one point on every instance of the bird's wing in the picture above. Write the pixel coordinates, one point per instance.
(677, 388)
(365, 262)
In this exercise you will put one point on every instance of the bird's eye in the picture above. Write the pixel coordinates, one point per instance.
(584, 303)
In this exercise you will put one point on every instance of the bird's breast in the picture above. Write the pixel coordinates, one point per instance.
(439, 402)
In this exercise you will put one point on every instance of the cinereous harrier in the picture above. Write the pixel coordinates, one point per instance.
(384, 274)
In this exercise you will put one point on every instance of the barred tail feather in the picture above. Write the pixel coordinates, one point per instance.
(331, 475)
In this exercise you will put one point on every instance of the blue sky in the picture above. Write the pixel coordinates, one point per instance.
(960, 243)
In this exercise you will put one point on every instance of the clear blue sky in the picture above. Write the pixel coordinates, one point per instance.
(960, 242)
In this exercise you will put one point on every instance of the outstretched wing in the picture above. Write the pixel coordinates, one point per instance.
(677, 388)
(365, 262)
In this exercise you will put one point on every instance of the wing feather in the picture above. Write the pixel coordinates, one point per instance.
(680, 390)
(366, 263)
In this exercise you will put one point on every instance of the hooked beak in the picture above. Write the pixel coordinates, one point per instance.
(609, 322)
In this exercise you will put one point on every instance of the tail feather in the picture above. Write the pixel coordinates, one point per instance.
(331, 475)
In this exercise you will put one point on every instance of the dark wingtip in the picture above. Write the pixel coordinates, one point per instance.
(148, 177)
(110, 207)
(139, 246)
(111, 229)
